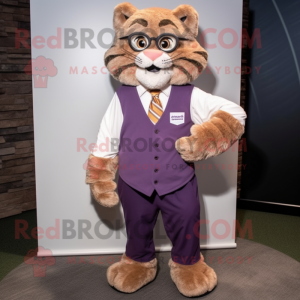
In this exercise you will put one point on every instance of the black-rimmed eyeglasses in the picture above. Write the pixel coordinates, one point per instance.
(140, 41)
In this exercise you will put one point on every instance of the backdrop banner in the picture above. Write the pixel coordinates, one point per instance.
(72, 90)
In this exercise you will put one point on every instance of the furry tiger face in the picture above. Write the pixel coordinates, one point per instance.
(155, 46)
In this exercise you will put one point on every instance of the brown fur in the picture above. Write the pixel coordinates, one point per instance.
(190, 59)
(236, 127)
(100, 174)
(210, 138)
(128, 275)
(193, 280)
(95, 175)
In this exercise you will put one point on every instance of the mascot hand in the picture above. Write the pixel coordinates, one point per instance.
(210, 138)
(100, 174)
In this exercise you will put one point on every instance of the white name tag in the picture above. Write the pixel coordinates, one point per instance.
(177, 118)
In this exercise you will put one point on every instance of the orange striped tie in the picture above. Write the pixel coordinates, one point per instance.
(155, 108)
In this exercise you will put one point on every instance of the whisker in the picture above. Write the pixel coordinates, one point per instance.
(130, 58)
(133, 59)
(171, 59)
(167, 61)
(132, 55)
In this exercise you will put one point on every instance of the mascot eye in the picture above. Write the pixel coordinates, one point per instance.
(139, 43)
(167, 43)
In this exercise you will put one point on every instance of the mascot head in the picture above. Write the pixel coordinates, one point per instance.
(155, 47)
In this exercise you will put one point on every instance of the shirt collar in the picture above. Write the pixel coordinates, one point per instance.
(142, 90)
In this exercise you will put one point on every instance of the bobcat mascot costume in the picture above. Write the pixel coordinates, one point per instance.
(164, 124)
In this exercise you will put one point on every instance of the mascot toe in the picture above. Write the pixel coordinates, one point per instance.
(128, 275)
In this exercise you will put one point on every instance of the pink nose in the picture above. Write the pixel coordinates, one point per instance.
(153, 54)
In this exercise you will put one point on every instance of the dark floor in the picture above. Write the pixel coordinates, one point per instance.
(280, 232)
(250, 271)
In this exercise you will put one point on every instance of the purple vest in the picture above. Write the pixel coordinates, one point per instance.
(147, 155)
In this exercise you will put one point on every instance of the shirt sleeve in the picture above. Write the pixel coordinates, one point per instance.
(108, 138)
(203, 105)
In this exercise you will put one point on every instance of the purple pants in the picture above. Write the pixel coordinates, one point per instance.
(180, 213)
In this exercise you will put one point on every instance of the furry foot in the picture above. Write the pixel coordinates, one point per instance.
(193, 280)
(128, 275)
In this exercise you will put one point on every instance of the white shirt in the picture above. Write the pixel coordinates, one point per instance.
(203, 105)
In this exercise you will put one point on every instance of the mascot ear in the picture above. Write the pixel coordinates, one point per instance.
(188, 16)
(122, 12)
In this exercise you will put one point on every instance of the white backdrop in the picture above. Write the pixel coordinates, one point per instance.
(68, 108)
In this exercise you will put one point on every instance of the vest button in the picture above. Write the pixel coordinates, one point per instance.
(156, 131)
(156, 145)
(156, 170)
(155, 182)
(156, 157)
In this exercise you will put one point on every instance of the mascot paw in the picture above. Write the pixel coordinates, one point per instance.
(128, 276)
(193, 280)
(100, 174)
(210, 138)
(193, 149)
(107, 199)
(186, 148)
